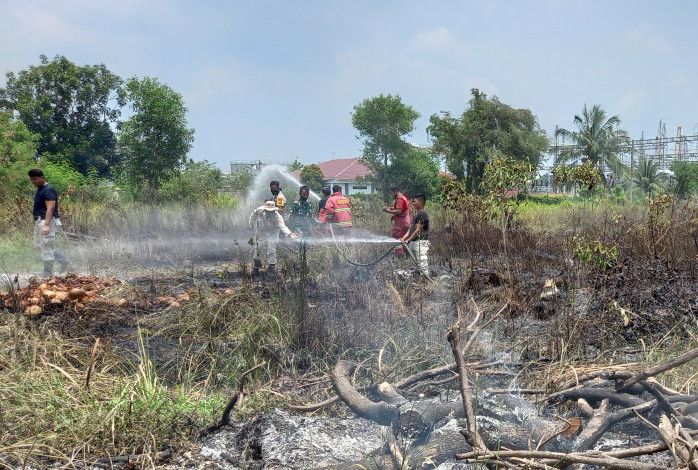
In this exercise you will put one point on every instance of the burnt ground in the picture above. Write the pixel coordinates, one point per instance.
(364, 313)
(657, 300)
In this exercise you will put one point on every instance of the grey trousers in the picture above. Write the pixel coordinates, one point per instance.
(421, 250)
(46, 244)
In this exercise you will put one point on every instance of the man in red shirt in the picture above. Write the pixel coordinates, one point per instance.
(338, 212)
(400, 216)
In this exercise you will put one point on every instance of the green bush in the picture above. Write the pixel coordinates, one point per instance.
(198, 182)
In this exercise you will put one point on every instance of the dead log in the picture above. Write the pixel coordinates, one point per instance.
(381, 413)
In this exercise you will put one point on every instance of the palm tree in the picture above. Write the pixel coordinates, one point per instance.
(596, 139)
(646, 175)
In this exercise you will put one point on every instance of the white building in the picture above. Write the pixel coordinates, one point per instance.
(349, 173)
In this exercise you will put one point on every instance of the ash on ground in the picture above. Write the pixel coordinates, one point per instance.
(278, 439)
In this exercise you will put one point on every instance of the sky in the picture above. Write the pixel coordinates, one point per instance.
(278, 80)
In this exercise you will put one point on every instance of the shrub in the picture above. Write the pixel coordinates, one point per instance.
(198, 182)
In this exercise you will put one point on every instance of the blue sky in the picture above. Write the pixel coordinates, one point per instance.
(277, 80)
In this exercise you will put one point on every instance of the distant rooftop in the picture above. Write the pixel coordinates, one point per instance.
(345, 169)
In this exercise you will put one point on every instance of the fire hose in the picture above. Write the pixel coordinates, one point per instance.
(380, 258)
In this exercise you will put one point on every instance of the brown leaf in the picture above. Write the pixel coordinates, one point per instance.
(573, 426)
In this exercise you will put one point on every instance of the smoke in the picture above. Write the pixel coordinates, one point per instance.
(130, 238)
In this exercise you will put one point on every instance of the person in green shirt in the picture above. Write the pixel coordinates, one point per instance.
(300, 214)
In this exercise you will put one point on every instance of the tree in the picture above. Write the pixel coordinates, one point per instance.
(382, 122)
(197, 182)
(17, 150)
(686, 174)
(241, 180)
(646, 176)
(311, 175)
(487, 125)
(295, 165)
(597, 139)
(155, 139)
(417, 172)
(72, 109)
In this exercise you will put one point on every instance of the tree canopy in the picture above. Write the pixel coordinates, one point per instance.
(295, 165)
(383, 122)
(311, 175)
(467, 142)
(17, 149)
(416, 172)
(72, 109)
(156, 138)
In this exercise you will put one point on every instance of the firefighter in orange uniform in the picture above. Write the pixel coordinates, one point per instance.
(400, 216)
(338, 212)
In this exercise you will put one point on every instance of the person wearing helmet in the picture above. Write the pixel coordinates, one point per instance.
(267, 225)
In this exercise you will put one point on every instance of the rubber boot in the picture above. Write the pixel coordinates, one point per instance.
(48, 268)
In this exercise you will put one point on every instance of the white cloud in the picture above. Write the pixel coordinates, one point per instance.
(212, 83)
(644, 41)
(39, 24)
(439, 39)
(630, 102)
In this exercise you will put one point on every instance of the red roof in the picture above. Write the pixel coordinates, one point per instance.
(347, 169)
(344, 169)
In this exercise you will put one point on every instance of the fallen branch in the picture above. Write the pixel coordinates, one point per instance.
(659, 368)
(314, 406)
(683, 451)
(453, 338)
(590, 458)
(474, 328)
(109, 462)
(225, 417)
(431, 373)
(596, 395)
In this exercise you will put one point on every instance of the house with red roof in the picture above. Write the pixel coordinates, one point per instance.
(349, 173)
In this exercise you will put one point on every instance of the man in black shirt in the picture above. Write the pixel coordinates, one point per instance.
(46, 222)
(419, 234)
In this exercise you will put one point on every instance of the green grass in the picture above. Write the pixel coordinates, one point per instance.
(17, 253)
(132, 405)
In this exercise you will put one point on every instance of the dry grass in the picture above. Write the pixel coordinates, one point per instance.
(153, 389)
